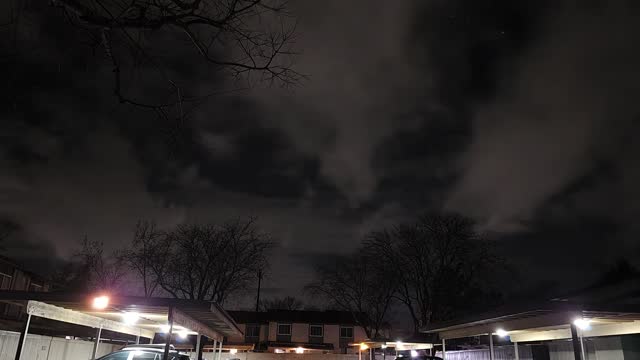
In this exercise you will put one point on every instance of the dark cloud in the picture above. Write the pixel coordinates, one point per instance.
(519, 115)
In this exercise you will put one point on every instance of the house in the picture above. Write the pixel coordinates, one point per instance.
(15, 277)
(296, 331)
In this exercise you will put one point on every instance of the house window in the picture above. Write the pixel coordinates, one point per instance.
(316, 330)
(284, 329)
(5, 281)
(346, 332)
(252, 330)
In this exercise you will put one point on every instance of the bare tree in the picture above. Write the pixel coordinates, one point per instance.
(144, 251)
(284, 303)
(361, 285)
(92, 269)
(440, 264)
(201, 262)
(247, 39)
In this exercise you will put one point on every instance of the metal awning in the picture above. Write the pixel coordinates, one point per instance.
(189, 316)
(548, 321)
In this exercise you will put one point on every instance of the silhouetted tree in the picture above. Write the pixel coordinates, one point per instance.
(90, 269)
(200, 261)
(441, 266)
(360, 284)
(247, 39)
(284, 303)
(145, 249)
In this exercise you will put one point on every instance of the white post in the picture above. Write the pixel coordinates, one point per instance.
(359, 354)
(492, 355)
(96, 344)
(444, 351)
(220, 351)
(582, 346)
(24, 337)
(515, 349)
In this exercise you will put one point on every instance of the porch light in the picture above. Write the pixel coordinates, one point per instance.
(100, 302)
(502, 333)
(582, 324)
(130, 318)
(363, 346)
(233, 351)
(299, 350)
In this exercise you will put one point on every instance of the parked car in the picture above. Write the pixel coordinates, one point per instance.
(144, 352)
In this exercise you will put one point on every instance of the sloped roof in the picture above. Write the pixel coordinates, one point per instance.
(296, 316)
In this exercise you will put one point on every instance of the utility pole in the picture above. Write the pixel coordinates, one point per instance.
(259, 284)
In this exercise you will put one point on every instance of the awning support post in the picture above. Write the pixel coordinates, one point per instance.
(220, 351)
(23, 338)
(138, 340)
(169, 334)
(576, 342)
(584, 357)
(492, 354)
(371, 350)
(444, 350)
(198, 347)
(515, 350)
(96, 343)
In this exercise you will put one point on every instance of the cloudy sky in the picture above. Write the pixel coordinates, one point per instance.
(522, 115)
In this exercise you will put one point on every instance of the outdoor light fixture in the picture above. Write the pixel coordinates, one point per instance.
(165, 328)
(130, 318)
(363, 346)
(100, 302)
(582, 324)
(502, 333)
(299, 350)
(233, 351)
(414, 353)
(398, 343)
(183, 334)
(383, 346)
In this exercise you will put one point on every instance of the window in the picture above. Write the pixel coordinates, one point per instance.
(316, 330)
(252, 333)
(346, 332)
(284, 329)
(5, 281)
(252, 330)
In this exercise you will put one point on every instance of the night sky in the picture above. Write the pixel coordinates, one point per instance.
(520, 114)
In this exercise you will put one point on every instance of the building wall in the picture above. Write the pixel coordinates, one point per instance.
(300, 332)
(332, 336)
(273, 329)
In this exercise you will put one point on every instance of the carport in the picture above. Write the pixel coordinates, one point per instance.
(137, 316)
(553, 320)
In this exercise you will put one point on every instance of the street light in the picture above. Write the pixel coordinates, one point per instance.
(100, 302)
